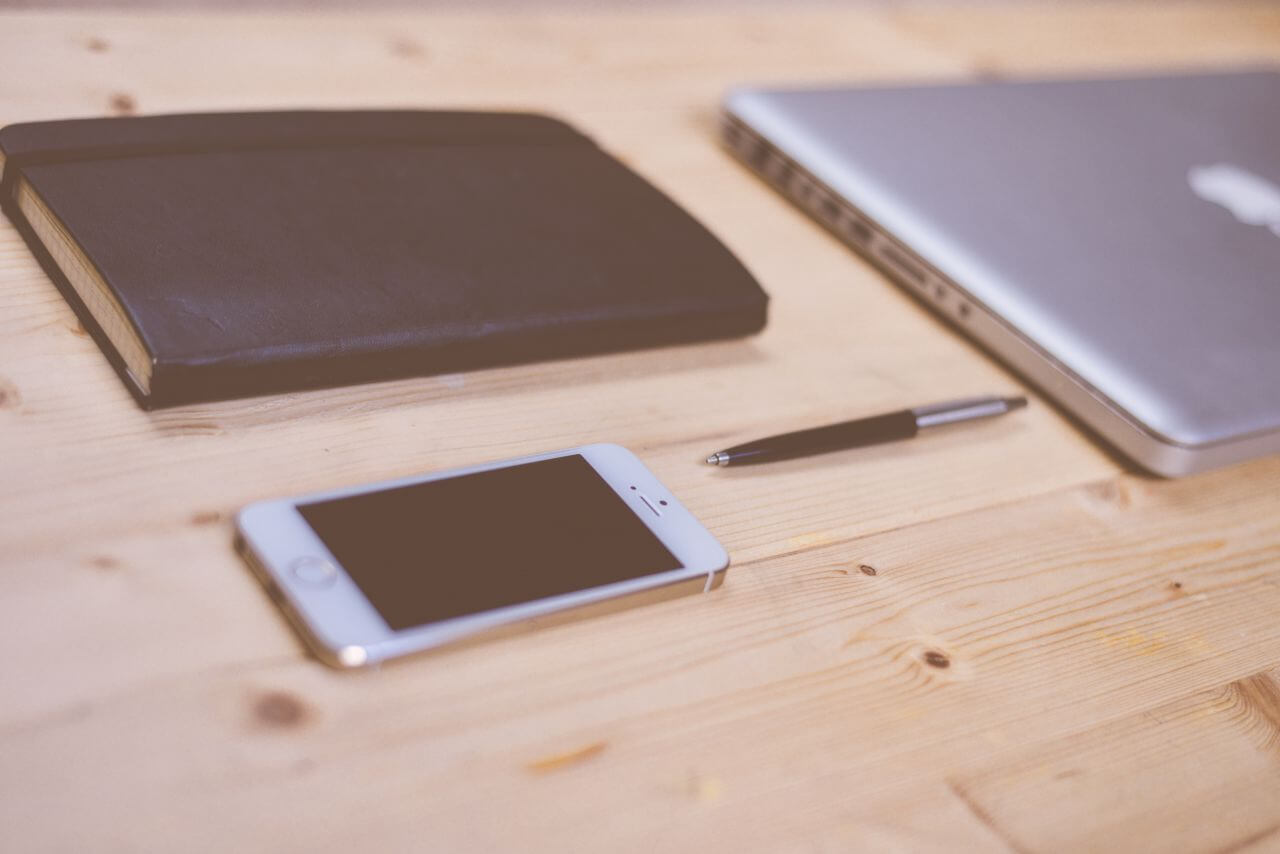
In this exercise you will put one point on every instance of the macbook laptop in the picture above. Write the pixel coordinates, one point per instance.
(1117, 241)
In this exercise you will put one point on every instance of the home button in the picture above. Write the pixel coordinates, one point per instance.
(313, 571)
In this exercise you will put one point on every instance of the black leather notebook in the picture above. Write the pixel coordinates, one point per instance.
(224, 255)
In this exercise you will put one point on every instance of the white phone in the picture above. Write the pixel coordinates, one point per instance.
(372, 572)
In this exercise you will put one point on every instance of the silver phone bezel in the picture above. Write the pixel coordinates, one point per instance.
(346, 630)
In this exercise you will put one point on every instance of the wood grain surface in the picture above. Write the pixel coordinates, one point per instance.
(997, 638)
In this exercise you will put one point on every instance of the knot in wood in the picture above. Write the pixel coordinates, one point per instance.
(933, 658)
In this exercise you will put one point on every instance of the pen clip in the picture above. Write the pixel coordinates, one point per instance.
(965, 409)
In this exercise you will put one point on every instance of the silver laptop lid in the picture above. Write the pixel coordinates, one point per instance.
(1129, 227)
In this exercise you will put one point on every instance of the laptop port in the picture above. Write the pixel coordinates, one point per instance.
(856, 229)
(897, 261)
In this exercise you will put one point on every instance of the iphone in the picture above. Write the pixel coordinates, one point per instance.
(373, 572)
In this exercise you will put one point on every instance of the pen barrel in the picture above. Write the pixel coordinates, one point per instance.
(819, 440)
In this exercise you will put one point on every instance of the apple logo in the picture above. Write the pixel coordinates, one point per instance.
(1250, 198)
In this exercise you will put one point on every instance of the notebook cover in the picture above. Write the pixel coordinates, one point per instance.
(266, 252)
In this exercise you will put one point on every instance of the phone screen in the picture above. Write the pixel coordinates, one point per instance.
(446, 548)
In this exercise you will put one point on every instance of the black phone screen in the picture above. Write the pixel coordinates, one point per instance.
(445, 548)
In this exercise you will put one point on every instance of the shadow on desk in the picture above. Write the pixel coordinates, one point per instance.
(344, 401)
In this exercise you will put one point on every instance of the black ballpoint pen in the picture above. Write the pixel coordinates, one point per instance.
(864, 431)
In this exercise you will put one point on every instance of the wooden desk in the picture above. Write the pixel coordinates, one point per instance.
(993, 639)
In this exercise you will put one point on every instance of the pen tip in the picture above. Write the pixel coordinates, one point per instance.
(713, 460)
(1015, 402)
